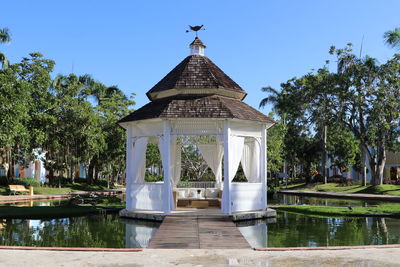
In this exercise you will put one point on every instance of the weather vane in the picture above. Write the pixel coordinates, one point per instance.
(195, 29)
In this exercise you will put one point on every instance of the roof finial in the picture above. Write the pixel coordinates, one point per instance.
(195, 29)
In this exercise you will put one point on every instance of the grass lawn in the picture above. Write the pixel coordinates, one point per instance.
(300, 186)
(392, 209)
(385, 189)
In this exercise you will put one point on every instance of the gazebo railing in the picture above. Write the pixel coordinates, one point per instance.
(192, 184)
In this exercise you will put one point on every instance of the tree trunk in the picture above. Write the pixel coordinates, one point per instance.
(90, 173)
(324, 155)
(363, 165)
(377, 164)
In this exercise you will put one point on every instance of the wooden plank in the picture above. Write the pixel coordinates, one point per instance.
(198, 232)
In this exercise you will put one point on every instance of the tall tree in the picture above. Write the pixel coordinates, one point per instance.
(5, 38)
(276, 146)
(392, 38)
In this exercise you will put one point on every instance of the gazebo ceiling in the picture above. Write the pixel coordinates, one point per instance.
(219, 107)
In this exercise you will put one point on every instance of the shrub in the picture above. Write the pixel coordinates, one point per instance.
(153, 178)
(27, 182)
(3, 180)
(340, 180)
(318, 178)
(394, 182)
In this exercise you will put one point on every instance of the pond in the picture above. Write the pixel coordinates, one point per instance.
(287, 230)
(296, 230)
(36, 203)
(289, 199)
(101, 231)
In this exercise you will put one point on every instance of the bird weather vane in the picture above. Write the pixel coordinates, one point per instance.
(195, 29)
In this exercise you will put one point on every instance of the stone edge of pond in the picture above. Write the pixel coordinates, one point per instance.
(159, 216)
(328, 248)
(142, 249)
(73, 249)
(20, 198)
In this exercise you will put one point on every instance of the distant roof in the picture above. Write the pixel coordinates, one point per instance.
(197, 107)
(197, 41)
(198, 75)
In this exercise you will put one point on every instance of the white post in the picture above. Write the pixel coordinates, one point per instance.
(263, 166)
(227, 182)
(167, 168)
(129, 167)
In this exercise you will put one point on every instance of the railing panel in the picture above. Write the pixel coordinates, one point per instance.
(246, 196)
(145, 196)
(188, 184)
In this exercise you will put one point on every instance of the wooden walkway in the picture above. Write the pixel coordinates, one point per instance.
(204, 232)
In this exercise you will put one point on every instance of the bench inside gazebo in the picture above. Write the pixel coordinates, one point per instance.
(197, 98)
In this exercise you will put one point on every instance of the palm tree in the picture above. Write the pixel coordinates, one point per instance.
(272, 98)
(392, 38)
(5, 38)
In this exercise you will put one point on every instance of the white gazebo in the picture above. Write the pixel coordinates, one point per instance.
(197, 98)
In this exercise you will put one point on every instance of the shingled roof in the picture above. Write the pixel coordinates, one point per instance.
(196, 74)
(197, 88)
(197, 41)
(197, 107)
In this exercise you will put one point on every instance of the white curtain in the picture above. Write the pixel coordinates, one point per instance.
(251, 161)
(235, 154)
(212, 154)
(139, 159)
(175, 164)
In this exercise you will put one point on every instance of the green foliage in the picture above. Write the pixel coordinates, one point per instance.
(153, 157)
(342, 147)
(275, 145)
(27, 182)
(72, 118)
(360, 103)
(392, 38)
(153, 177)
(3, 180)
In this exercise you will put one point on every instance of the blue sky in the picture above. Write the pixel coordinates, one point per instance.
(133, 44)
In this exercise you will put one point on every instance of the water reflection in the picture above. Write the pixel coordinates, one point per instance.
(296, 230)
(89, 231)
(37, 203)
(138, 232)
(286, 199)
(255, 232)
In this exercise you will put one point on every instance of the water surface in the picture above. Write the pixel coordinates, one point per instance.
(297, 230)
(289, 199)
(100, 231)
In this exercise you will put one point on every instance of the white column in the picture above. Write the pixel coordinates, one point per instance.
(227, 181)
(129, 167)
(263, 166)
(167, 169)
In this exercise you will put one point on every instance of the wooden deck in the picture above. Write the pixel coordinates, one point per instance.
(204, 232)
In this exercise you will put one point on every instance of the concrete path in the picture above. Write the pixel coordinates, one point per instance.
(205, 257)
(343, 195)
(200, 232)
